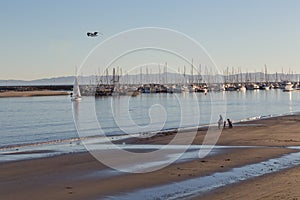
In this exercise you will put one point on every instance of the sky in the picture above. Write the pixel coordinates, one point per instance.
(43, 39)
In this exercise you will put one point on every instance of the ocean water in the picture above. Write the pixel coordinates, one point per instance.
(39, 120)
(29, 120)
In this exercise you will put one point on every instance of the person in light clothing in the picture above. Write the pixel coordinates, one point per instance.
(220, 122)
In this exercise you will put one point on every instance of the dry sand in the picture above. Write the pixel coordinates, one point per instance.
(32, 93)
(78, 176)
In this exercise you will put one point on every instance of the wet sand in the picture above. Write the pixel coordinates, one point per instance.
(279, 185)
(80, 176)
(32, 93)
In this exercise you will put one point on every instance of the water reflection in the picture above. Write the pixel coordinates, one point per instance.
(290, 102)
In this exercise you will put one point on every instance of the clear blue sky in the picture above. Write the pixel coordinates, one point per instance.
(41, 38)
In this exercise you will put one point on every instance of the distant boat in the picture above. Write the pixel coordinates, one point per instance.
(76, 96)
(230, 87)
(252, 86)
(297, 86)
(185, 89)
(264, 87)
(288, 87)
(202, 89)
(242, 88)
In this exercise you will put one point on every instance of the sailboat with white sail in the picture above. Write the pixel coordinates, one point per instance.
(76, 96)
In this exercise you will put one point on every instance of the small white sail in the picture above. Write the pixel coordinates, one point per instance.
(76, 90)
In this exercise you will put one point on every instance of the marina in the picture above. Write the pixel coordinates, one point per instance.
(151, 100)
(186, 83)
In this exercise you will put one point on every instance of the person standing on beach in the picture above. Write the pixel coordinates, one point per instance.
(229, 123)
(220, 122)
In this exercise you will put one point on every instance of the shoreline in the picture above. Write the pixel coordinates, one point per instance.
(251, 126)
(35, 93)
(164, 135)
(80, 176)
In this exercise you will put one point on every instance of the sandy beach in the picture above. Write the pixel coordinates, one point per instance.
(32, 93)
(280, 185)
(80, 176)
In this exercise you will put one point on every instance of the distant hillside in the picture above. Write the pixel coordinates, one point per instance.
(47, 81)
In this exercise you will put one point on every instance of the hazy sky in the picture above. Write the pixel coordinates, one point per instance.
(41, 38)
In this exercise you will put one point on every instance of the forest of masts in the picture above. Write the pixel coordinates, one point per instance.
(196, 76)
(197, 80)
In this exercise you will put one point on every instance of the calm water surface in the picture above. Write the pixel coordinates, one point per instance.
(31, 120)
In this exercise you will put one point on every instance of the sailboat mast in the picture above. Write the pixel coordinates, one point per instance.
(192, 72)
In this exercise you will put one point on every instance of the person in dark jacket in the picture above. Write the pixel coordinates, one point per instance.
(229, 123)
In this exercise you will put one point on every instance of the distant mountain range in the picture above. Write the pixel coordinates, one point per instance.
(155, 78)
(66, 80)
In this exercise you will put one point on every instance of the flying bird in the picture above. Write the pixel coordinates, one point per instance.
(95, 34)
